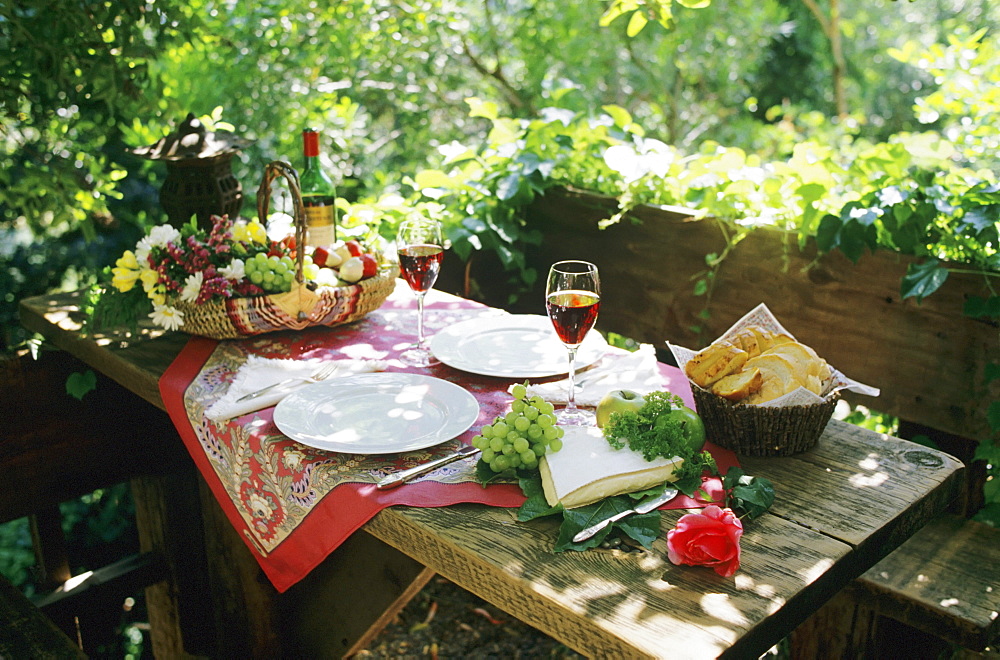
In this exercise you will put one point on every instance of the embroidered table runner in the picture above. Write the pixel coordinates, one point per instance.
(293, 504)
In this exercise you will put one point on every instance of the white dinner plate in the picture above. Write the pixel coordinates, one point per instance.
(512, 346)
(376, 413)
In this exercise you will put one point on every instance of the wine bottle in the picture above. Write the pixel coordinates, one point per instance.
(319, 195)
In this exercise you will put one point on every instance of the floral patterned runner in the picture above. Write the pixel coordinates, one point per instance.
(292, 504)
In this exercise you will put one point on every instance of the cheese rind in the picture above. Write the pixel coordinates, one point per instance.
(588, 469)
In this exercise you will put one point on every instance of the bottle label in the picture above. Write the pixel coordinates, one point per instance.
(323, 235)
(319, 216)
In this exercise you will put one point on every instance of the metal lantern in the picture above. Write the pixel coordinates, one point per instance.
(199, 179)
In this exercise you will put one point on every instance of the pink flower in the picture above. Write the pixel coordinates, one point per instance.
(710, 538)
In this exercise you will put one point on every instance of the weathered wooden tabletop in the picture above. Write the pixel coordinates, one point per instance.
(840, 508)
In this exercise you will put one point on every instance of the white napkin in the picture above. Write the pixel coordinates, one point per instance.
(619, 369)
(257, 373)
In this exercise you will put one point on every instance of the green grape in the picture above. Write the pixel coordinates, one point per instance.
(521, 437)
(257, 277)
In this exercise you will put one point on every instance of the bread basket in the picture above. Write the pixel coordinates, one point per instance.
(296, 309)
(789, 424)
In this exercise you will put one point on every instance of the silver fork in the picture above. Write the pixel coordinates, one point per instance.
(322, 373)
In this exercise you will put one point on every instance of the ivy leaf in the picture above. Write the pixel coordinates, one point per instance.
(982, 218)
(79, 384)
(644, 528)
(535, 506)
(921, 280)
(991, 372)
(751, 495)
(993, 415)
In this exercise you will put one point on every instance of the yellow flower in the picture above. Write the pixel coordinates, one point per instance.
(126, 272)
(257, 232)
(149, 279)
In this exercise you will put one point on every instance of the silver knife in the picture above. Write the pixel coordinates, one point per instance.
(645, 507)
(401, 477)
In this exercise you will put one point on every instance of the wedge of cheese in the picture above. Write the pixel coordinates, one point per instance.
(588, 469)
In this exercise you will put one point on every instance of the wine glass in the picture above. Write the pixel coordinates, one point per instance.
(420, 248)
(572, 299)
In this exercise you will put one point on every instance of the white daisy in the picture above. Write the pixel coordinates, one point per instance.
(235, 271)
(192, 287)
(158, 237)
(167, 317)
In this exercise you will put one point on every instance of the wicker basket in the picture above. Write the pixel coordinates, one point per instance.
(763, 430)
(297, 309)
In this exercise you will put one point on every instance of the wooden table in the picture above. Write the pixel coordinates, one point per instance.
(840, 508)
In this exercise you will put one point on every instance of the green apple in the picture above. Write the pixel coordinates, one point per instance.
(693, 426)
(618, 401)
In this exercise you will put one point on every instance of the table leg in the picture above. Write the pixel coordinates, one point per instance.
(334, 611)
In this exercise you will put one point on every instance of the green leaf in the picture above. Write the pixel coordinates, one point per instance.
(921, 280)
(79, 384)
(981, 218)
(991, 372)
(481, 108)
(636, 23)
(993, 415)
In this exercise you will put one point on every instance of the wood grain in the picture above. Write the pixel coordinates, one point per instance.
(945, 581)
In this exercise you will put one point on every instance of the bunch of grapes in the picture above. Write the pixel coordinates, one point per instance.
(276, 274)
(522, 436)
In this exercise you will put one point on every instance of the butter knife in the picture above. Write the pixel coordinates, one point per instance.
(401, 477)
(645, 507)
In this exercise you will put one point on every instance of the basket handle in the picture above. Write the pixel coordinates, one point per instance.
(272, 171)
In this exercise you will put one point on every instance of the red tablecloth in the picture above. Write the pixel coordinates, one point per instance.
(294, 505)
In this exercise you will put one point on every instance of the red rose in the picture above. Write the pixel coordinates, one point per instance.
(710, 538)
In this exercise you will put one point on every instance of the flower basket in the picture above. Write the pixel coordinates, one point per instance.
(303, 306)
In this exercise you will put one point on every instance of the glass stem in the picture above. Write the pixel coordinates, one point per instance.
(420, 320)
(571, 397)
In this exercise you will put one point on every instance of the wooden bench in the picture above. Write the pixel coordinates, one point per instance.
(56, 448)
(945, 581)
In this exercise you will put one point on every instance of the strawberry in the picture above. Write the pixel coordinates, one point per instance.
(320, 256)
(370, 264)
(354, 248)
